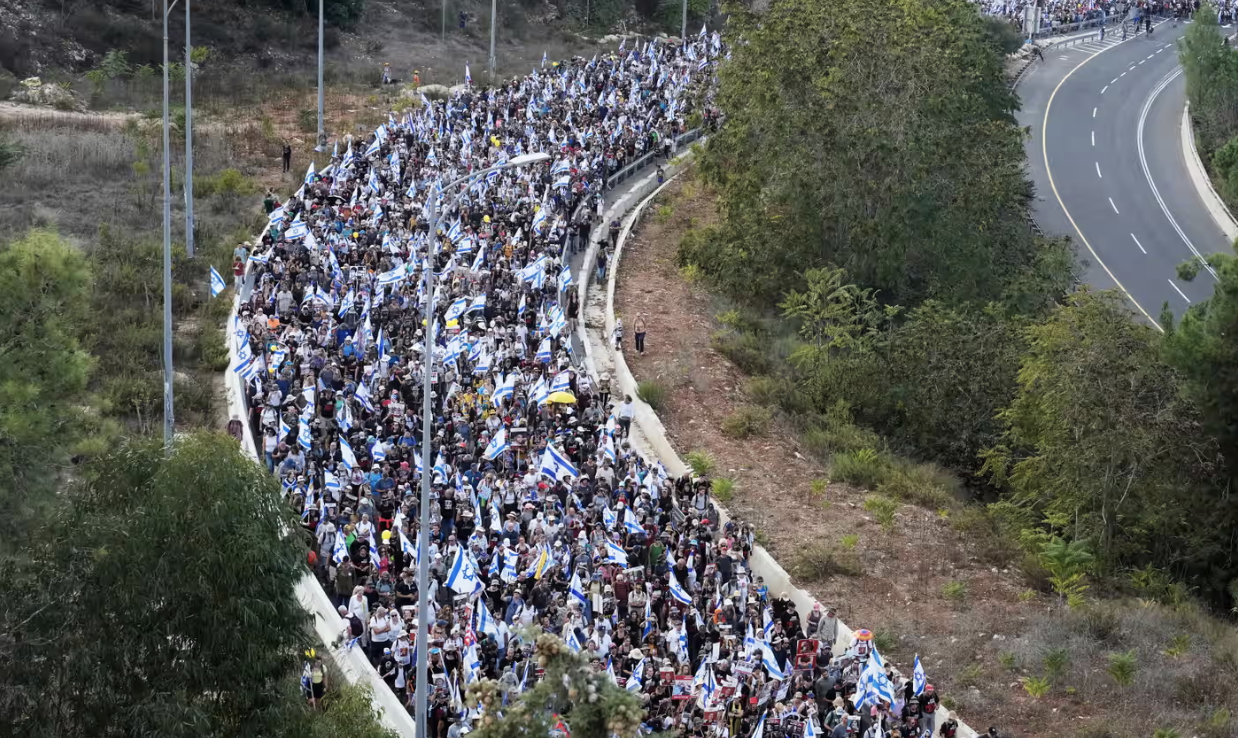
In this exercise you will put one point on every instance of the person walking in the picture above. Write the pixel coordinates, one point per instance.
(287, 158)
(638, 327)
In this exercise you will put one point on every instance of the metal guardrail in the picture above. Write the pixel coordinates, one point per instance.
(627, 172)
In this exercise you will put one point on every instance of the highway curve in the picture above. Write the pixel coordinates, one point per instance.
(1105, 153)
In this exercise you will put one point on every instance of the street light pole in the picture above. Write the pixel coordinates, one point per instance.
(168, 420)
(427, 370)
(683, 28)
(188, 137)
(321, 140)
(494, 11)
(443, 36)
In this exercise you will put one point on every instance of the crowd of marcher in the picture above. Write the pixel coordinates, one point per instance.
(1055, 14)
(542, 513)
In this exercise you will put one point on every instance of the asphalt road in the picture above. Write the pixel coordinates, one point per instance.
(1105, 153)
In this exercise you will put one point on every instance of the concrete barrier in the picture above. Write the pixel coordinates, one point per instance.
(650, 436)
(1203, 183)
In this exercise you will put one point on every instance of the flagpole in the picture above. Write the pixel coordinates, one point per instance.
(683, 28)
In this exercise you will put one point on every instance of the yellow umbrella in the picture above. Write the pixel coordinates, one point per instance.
(566, 398)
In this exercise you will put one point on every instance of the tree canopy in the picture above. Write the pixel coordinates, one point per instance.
(875, 137)
(158, 600)
(44, 293)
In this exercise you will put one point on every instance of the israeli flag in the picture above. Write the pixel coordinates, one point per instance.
(457, 309)
(543, 351)
(768, 616)
(760, 731)
(918, 678)
(468, 78)
(677, 591)
(331, 482)
(379, 451)
(482, 366)
(576, 591)
(309, 174)
(298, 229)
(608, 450)
(373, 148)
(497, 445)
(634, 681)
(277, 216)
(440, 466)
(648, 620)
(770, 662)
(463, 578)
(408, 547)
(510, 561)
(340, 551)
(543, 59)
(572, 641)
(562, 381)
(218, 284)
(303, 435)
(615, 554)
(504, 390)
(348, 157)
(555, 465)
(609, 518)
(347, 459)
(629, 522)
(373, 549)
(393, 276)
(478, 303)
(810, 728)
(485, 621)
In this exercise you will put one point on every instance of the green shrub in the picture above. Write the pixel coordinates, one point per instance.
(954, 590)
(1056, 661)
(747, 421)
(212, 350)
(228, 182)
(723, 488)
(1179, 645)
(744, 350)
(820, 561)
(1007, 660)
(919, 484)
(702, 463)
(1036, 687)
(884, 641)
(883, 510)
(818, 486)
(971, 675)
(849, 541)
(826, 437)
(307, 121)
(664, 213)
(652, 392)
(765, 391)
(864, 467)
(1122, 667)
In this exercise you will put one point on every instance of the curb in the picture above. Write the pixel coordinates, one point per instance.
(652, 431)
(1203, 183)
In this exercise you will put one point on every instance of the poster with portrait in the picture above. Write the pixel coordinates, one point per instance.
(682, 688)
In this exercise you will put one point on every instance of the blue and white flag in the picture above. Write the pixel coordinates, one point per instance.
(615, 554)
(485, 621)
(456, 309)
(630, 523)
(463, 578)
(497, 446)
(810, 728)
(918, 678)
(648, 627)
(770, 661)
(760, 731)
(468, 78)
(510, 562)
(218, 284)
(298, 229)
(544, 354)
(347, 458)
(309, 174)
(341, 551)
(572, 641)
(556, 465)
(576, 591)
(409, 548)
(634, 681)
(677, 591)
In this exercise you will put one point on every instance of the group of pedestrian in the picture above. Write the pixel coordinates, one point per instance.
(541, 511)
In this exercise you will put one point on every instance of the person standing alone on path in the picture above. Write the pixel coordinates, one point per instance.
(287, 157)
(638, 327)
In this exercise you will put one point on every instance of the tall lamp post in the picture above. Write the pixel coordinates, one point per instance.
(168, 420)
(427, 366)
(188, 137)
(494, 12)
(321, 141)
